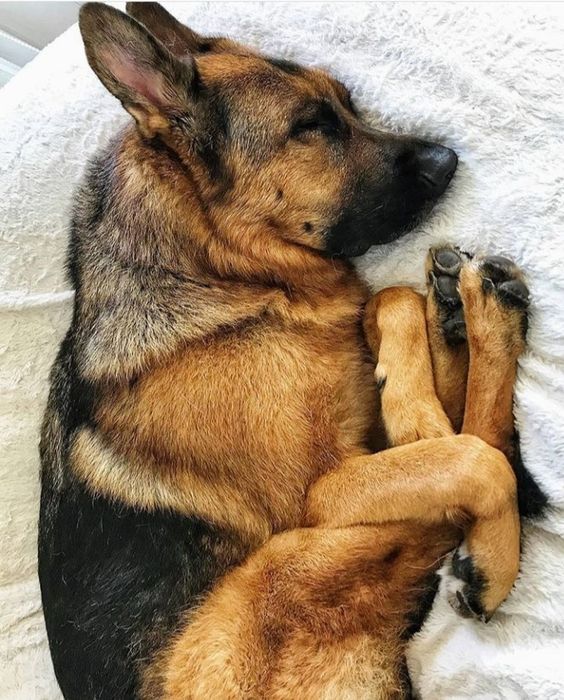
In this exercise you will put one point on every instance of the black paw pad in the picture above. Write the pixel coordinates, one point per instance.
(443, 279)
(454, 327)
(514, 293)
(498, 268)
(447, 261)
(503, 278)
(447, 289)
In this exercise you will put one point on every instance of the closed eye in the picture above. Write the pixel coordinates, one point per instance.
(322, 118)
(311, 125)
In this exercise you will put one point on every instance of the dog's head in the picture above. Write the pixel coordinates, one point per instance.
(275, 144)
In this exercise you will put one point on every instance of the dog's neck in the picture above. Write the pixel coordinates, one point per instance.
(173, 205)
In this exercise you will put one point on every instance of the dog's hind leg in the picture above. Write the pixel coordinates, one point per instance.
(320, 611)
(395, 328)
(313, 613)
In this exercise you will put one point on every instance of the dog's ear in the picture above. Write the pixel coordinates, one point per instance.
(134, 66)
(177, 37)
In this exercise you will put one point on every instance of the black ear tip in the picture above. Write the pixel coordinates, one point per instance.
(97, 20)
(90, 9)
(139, 8)
(87, 15)
(94, 12)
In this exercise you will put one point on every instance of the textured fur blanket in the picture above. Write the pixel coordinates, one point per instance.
(485, 79)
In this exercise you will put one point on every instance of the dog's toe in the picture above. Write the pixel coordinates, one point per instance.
(502, 277)
(444, 265)
(465, 585)
(447, 259)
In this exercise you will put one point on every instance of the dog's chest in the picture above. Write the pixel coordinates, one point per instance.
(267, 409)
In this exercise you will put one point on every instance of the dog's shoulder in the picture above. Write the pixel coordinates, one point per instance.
(138, 299)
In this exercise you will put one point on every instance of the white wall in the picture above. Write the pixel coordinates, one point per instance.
(26, 27)
(37, 23)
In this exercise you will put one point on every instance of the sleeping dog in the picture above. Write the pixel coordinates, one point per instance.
(218, 517)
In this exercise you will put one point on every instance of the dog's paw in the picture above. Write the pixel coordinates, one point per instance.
(444, 264)
(465, 585)
(501, 277)
(495, 299)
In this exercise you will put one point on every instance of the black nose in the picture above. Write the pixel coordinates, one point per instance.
(435, 166)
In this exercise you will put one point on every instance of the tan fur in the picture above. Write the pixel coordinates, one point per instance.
(315, 613)
(395, 324)
(437, 483)
(496, 340)
(238, 388)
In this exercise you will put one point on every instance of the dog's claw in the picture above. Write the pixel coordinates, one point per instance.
(465, 585)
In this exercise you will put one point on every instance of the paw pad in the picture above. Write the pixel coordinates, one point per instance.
(500, 276)
(445, 265)
(447, 261)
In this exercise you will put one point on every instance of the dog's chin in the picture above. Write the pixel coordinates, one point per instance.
(357, 231)
(381, 236)
(383, 232)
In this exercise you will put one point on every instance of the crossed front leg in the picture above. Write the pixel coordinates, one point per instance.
(459, 480)
(396, 330)
(449, 363)
(477, 318)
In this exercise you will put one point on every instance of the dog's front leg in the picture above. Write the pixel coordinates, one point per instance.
(453, 479)
(396, 330)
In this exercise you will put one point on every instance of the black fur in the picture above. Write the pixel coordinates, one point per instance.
(470, 599)
(114, 583)
(383, 204)
(417, 618)
(320, 117)
(97, 194)
(532, 501)
(205, 47)
(406, 688)
(215, 139)
(114, 580)
(381, 383)
(288, 67)
(376, 213)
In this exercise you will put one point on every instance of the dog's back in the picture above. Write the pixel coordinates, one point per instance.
(114, 578)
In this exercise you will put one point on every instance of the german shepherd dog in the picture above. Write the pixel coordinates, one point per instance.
(217, 519)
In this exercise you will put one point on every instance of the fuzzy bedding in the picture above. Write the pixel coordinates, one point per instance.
(486, 80)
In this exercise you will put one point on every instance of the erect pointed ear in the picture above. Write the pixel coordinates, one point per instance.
(135, 67)
(177, 37)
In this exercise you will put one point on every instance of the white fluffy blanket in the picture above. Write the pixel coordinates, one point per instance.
(486, 79)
